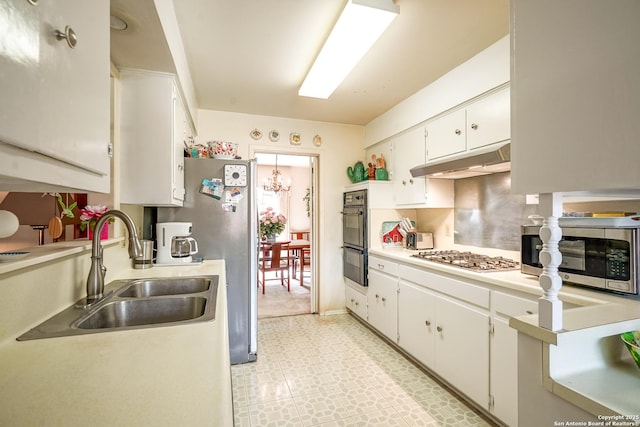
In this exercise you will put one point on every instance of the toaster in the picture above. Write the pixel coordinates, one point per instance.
(419, 241)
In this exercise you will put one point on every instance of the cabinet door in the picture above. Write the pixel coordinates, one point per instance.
(417, 322)
(382, 304)
(74, 108)
(504, 372)
(179, 140)
(446, 135)
(19, 61)
(408, 152)
(489, 120)
(356, 302)
(462, 348)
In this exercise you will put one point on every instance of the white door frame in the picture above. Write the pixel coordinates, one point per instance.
(314, 156)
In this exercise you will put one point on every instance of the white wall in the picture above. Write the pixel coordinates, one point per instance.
(341, 147)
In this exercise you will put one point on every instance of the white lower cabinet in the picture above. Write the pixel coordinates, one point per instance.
(448, 336)
(457, 328)
(504, 354)
(382, 303)
(417, 322)
(356, 302)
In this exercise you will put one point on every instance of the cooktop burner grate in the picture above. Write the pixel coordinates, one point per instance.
(469, 261)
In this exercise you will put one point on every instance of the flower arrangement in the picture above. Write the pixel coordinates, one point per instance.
(271, 223)
(90, 214)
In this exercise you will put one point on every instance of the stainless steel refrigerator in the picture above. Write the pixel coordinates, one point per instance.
(225, 222)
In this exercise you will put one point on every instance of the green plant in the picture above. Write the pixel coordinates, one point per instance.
(307, 201)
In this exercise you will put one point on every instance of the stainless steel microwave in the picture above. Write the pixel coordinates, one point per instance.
(602, 257)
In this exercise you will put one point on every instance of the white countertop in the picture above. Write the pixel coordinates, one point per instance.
(168, 376)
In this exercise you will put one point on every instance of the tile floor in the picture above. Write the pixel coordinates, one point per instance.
(332, 371)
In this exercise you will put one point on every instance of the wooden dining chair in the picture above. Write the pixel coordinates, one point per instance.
(274, 257)
(299, 235)
(300, 262)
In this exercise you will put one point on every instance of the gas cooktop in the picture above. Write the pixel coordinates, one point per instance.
(469, 261)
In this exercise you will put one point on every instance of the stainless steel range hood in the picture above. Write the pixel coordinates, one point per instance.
(482, 161)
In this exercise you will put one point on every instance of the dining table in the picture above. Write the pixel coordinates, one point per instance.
(295, 248)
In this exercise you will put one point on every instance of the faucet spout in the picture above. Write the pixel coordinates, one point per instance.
(95, 281)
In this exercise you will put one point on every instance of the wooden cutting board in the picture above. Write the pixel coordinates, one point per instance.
(55, 227)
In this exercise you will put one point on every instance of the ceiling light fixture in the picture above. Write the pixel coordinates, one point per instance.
(359, 26)
(276, 183)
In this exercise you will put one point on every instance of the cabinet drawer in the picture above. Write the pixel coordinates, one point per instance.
(356, 302)
(383, 265)
(467, 292)
(512, 306)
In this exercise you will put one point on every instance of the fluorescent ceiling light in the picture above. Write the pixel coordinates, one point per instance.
(359, 26)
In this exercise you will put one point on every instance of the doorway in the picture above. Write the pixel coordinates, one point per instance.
(286, 184)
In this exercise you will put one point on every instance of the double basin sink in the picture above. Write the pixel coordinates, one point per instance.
(136, 304)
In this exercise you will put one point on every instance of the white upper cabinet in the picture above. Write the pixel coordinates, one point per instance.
(19, 65)
(409, 150)
(480, 123)
(54, 64)
(155, 128)
(575, 95)
(489, 120)
(446, 135)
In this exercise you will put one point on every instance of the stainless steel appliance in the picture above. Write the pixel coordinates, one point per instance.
(224, 215)
(419, 240)
(469, 260)
(354, 235)
(596, 252)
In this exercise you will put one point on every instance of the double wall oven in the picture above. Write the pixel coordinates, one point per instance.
(354, 233)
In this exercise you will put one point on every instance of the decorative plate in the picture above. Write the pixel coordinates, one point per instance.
(317, 140)
(12, 256)
(294, 138)
(256, 134)
(274, 135)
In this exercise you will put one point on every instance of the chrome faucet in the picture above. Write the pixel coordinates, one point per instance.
(95, 281)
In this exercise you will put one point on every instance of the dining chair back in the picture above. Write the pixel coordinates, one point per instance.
(274, 257)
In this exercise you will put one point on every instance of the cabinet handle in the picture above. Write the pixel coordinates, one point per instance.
(377, 296)
(384, 299)
(404, 182)
(439, 328)
(352, 300)
(357, 303)
(474, 126)
(33, 2)
(427, 322)
(411, 181)
(458, 131)
(529, 312)
(69, 35)
(381, 266)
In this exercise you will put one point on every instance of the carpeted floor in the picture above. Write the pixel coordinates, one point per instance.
(277, 302)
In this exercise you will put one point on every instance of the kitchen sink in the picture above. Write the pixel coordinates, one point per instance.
(165, 286)
(122, 314)
(136, 304)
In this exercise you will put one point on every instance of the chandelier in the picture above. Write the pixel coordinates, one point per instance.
(276, 183)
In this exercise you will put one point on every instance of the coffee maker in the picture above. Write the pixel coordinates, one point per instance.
(175, 246)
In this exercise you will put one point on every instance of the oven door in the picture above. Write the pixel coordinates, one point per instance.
(355, 264)
(353, 226)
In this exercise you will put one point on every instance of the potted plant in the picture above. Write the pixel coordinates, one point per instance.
(271, 224)
(89, 216)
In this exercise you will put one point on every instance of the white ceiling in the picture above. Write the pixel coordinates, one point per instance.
(251, 56)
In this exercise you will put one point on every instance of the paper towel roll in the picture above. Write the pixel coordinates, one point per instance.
(8, 224)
